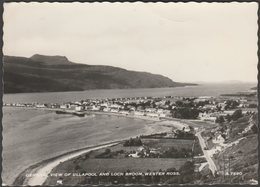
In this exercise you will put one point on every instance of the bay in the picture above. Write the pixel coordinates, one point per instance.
(188, 91)
(31, 135)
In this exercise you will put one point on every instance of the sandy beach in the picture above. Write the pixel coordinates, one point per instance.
(39, 173)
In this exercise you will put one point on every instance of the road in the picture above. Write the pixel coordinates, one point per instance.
(211, 163)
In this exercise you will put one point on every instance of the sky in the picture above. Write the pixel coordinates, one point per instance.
(187, 42)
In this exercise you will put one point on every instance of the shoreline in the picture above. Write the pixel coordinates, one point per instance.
(37, 174)
(91, 112)
(102, 89)
(45, 167)
(35, 171)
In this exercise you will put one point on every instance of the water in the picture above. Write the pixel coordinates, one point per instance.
(30, 136)
(60, 97)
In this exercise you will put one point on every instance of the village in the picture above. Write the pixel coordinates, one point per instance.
(202, 128)
(205, 108)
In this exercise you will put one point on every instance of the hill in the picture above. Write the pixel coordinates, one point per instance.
(240, 153)
(56, 73)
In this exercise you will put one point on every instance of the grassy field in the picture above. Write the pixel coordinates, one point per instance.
(81, 165)
(164, 144)
(131, 164)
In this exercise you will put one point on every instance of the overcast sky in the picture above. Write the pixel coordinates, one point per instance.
(186, 42)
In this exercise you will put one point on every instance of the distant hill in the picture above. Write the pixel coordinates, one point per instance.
(56, 73)
(51, 60)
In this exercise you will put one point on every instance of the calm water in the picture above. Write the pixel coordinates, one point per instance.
(59, 97)
(30, 136)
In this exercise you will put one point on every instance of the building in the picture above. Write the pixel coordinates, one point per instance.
(207, 117)
(139, 113)
(153, 115)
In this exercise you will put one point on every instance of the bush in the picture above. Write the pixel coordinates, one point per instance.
(133, 142)
(220, 119)
(186, 113)
(236, 115)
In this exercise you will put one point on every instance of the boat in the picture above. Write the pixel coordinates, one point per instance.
(79, 114)
(61, 112)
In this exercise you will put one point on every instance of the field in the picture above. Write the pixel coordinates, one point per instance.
(111, 165)
(164, 144)
(118, 162)
(131, 164)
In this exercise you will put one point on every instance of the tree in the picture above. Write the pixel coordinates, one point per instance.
(254, 128)
(107, 151)
(186, 113)
(228, 118)
(237, 114)
(220, 119)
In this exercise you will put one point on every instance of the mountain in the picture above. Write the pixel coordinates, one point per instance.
(41, 73)
(51, 60)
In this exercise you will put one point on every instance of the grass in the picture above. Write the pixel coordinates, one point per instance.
(164, 144)
(131, 164)
(111, 165)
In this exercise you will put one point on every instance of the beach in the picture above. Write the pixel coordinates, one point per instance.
(24, 146)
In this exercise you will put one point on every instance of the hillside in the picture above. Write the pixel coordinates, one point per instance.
(56, 73)
(240, 153)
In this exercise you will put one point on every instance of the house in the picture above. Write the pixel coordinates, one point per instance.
(186, 129)
(63, 106)
(210, 107)
(162, 115)
(207, 117)
(230, 112)
(125, 112)
(222, 105)
(95, 107)
(150, 110)
(106, 110)
(115, 106)
(40, 106)
(218, 139)
(139, 113)
(153, 115)
(78, 108)
(114, 110)
(134, 155)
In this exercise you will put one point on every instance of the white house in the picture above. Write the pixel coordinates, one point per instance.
(125, 112)
(154, 115)
(114, 110)
(207, 117)
(63, 106)
(78, 108)
(218, 139)
(40, 106)
(150, 110)
(106, 109)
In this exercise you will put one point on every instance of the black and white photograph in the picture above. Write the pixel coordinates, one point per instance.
(130, 93)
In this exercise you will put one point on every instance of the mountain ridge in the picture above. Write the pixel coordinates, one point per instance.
(42, 73)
